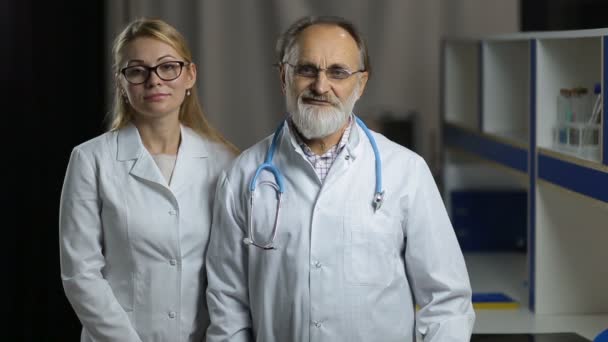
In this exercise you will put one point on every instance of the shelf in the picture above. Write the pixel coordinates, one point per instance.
(503, 151)
(461, 83)
(510, 278)
(582, 177)
(510, 123)
(570, 252)
(564, 63)
(505, 89)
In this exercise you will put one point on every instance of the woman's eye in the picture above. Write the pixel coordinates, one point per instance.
(169, 66)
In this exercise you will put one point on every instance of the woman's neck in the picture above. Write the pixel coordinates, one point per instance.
(159, 136)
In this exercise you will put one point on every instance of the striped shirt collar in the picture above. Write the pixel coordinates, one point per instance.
(322, 163)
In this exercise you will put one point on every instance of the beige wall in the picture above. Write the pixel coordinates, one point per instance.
(233, 46)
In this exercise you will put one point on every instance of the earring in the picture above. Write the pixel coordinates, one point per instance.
(187, 92)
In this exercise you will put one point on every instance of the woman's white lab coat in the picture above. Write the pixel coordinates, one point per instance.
(132, 247)
(340, 271)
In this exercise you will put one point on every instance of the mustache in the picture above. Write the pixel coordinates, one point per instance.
(308, 95)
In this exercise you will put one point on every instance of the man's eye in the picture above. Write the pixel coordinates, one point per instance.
(338, 73)
(306, 70)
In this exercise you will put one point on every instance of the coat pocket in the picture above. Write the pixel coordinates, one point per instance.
(371, 251)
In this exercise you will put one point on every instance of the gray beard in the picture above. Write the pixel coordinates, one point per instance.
(315, 122)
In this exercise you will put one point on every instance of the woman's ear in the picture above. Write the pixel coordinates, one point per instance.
(191, 72)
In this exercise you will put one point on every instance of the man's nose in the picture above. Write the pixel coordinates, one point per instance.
(321, 84)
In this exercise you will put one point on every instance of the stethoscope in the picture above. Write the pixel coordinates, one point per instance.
(280, 189)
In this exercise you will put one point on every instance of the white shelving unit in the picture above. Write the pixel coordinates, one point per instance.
(571, 252)
(462, 77)
(518, 79)
(506, 80)
(564, 63)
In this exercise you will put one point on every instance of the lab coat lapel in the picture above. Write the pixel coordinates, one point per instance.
(192, 148)
(130, 147)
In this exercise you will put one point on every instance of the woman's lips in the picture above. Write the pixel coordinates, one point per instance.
(155, 97)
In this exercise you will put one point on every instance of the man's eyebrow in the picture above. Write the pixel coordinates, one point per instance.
(339, 66)
(334, 65)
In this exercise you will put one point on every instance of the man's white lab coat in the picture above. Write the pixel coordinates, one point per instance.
(341, 272)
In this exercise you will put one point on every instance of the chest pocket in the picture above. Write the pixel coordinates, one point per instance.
(371, 252)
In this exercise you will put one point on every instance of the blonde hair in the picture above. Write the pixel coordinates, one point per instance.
(190, 113)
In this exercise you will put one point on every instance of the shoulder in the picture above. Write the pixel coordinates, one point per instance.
(219, 153)
(244, 165)
(391, 150)
(95, 147)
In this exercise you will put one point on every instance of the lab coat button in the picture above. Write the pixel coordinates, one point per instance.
(316, 324)
(172, 212)
(172, 314)
(317, 264)
(347, 157)
(173, 262)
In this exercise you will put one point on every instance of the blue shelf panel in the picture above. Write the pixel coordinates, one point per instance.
(508, 155)
(581, 179)
(605, 101)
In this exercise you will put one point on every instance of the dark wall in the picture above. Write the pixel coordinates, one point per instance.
(543, 15)
(52, 93)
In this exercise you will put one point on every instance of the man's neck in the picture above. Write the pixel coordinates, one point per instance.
(321, 145)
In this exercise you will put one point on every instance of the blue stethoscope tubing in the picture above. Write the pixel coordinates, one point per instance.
(280, 188)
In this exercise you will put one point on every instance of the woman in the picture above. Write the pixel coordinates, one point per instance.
(136, 202)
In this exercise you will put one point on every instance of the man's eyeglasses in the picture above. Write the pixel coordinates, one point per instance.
(167, 71)
(312, 71)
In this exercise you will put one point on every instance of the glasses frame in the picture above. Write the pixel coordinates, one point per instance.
(154, 69)
(350, 73)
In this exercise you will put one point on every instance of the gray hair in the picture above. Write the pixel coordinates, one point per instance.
(287, 40)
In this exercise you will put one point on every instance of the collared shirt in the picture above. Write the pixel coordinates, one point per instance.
(322, 163)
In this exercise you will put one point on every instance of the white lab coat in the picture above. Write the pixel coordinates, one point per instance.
(341, 272)
(132, 247)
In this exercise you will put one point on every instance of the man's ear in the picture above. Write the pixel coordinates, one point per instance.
(282, 75)
(363, 79)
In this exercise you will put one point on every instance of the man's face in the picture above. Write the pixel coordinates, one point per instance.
(320, 105)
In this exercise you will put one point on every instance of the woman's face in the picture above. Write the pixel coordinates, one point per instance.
(153, 96)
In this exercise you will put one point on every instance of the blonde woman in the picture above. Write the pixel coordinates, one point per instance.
(136, 201)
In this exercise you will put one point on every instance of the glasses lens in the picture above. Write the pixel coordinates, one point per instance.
(337, 73)
(306, 70)
(136, 74)
(169, 71)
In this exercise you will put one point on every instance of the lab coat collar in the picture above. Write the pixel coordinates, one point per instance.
(131, 147)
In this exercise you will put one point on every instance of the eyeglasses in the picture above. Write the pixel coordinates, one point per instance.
(167, 71)
(312, 71)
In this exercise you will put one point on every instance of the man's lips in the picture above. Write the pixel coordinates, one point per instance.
(155, 97)
(319, 102)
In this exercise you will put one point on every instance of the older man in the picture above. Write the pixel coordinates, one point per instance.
(326, 231)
